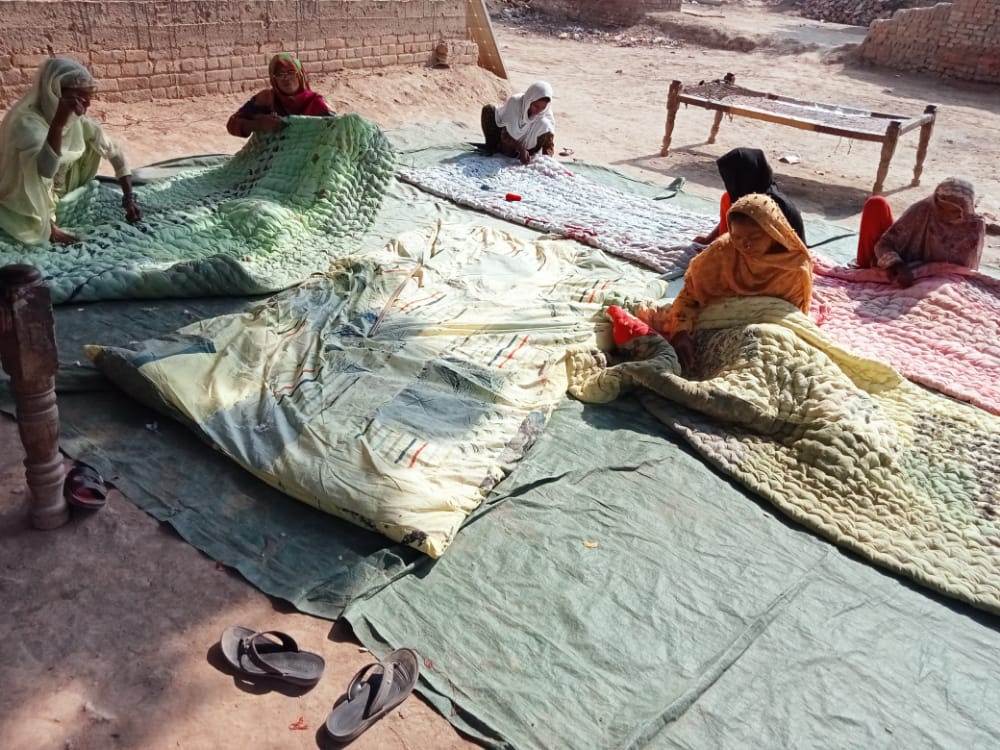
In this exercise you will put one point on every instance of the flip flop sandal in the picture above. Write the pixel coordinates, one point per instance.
(84, 487)
(375, 690)
(270, 654)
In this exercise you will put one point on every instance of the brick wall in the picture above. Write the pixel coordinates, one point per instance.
(856, 12)
(169, 49)
(604, 12)
(959, 39)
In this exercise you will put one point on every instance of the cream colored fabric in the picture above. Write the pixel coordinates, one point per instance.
(398, 388)
(32, 176)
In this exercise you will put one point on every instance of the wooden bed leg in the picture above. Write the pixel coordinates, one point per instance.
(715, 126)
(925, 138)
(28, 355)
(673, 104)
(888, 149)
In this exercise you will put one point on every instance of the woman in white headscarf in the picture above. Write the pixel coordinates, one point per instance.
(48, 148)
(523, 125)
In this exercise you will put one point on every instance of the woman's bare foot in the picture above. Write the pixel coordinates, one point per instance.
(58, 235)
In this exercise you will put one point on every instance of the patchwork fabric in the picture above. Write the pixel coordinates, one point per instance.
(553, 199)
(943, 332)
(282, 208)
(844, 445)
(397, 389)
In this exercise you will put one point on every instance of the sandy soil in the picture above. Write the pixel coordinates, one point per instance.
(111, 621)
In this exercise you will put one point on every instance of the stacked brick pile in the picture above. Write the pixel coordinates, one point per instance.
(146, 49)
(855, 12)
(959, 39)
(604, 12)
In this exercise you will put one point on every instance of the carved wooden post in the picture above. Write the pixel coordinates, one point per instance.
(28, 354)
(673, 104)
(925, 138)
(888, 149)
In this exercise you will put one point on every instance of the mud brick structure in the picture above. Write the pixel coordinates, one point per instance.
(604, 12)
(172, 49)
(959, 39)
(856, 12)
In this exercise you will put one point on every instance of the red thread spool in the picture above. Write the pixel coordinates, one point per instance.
(512, 197)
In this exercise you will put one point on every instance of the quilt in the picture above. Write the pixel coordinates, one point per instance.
(546, 196)
(844, 445)
(398, 388)
(282, 208)
(943, 332)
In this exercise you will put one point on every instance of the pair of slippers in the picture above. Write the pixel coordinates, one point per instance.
(85, 488)
(373, 692)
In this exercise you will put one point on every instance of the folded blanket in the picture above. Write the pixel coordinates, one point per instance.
(943, 332)
(282, 208)
(844, 445)
(545, 195)
(398, 388)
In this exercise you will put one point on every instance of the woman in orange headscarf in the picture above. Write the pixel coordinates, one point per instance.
(289, 95)
(760, 256)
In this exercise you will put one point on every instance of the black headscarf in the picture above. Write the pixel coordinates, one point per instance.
(745, 171)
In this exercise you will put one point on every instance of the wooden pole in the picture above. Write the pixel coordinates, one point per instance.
(925, 138)
(673, 104)
(28, 355)
(888, 149)
(715, 126)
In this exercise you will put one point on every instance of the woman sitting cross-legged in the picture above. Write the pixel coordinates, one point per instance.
(942, 228)
(760, 256)
(523, 125)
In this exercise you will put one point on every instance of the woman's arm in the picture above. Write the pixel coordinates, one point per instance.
(112, 151)
(256, 116)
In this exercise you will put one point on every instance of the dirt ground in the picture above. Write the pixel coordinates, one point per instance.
(111, 621)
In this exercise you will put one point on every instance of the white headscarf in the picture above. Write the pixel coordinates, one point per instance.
(25, 196)
(513, 115)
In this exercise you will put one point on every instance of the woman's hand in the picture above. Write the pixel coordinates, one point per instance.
(69, 104)
(269, 123)
(133, 213)
(901, 274)
(523, 156)
(683, 344)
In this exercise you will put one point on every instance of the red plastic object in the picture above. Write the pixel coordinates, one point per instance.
(512, 197)
(626, 327)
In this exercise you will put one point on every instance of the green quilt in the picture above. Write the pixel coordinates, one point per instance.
(900, 475)
(285, 206)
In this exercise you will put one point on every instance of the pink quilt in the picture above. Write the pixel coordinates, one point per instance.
(943, 332)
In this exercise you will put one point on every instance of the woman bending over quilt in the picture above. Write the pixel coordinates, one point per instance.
(942, 228)
(523, 125)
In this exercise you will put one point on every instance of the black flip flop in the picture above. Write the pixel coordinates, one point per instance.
(375, 691)
(85, 488)
(270, 653)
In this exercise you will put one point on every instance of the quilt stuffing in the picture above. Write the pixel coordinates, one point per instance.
(551, 198)
(396, 389)
(844, 445)
(943, 332)
(282, 208)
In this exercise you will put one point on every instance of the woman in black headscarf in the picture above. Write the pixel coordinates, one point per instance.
(745, 171)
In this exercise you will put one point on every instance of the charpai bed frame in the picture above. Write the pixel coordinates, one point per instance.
(725, 97)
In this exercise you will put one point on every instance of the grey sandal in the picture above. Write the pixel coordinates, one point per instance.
(270, 654)
(375, 690)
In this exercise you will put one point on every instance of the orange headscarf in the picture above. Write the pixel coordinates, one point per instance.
(724, 269)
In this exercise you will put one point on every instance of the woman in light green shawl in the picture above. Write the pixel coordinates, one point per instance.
(48, 148)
